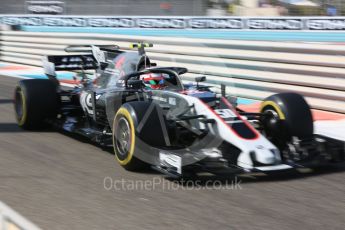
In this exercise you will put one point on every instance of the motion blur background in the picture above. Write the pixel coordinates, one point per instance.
(182, 7)
(56, 181)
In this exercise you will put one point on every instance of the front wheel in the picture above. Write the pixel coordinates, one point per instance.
(286, 115)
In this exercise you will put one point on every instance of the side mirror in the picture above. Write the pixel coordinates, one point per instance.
(200, 79)
(103, 65)
(233, 100)
(135, 84)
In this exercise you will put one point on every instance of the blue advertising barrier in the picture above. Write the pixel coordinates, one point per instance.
(263, 35)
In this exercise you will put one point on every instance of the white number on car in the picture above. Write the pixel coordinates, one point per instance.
(225, 113)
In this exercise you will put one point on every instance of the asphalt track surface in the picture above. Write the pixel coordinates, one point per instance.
(57, 182)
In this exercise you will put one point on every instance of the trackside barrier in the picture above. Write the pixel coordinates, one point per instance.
(250, 69)
(179, 22)
(11, 220)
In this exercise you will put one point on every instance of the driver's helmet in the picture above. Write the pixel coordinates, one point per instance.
(153, 80)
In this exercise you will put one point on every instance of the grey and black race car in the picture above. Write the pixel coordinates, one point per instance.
(151, 118)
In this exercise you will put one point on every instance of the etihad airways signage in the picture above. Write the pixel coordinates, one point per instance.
(259, 23)
(45, 7)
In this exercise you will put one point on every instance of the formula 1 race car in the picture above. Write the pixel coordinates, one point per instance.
(151, 118)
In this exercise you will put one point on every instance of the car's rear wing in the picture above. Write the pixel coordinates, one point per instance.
(51, 64)
(94, 56)
(92, 48)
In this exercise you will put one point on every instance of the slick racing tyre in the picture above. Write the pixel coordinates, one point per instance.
(35, 100)
(286, 115)
(131, 136)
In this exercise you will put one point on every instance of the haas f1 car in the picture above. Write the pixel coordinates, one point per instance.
(151, 118)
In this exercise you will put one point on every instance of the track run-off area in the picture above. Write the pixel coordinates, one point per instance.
(59, 181)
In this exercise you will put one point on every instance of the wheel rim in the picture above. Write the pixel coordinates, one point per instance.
(123, 136)
(273, 114)
(272, 117)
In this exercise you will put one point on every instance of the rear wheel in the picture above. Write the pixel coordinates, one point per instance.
(35, 100)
